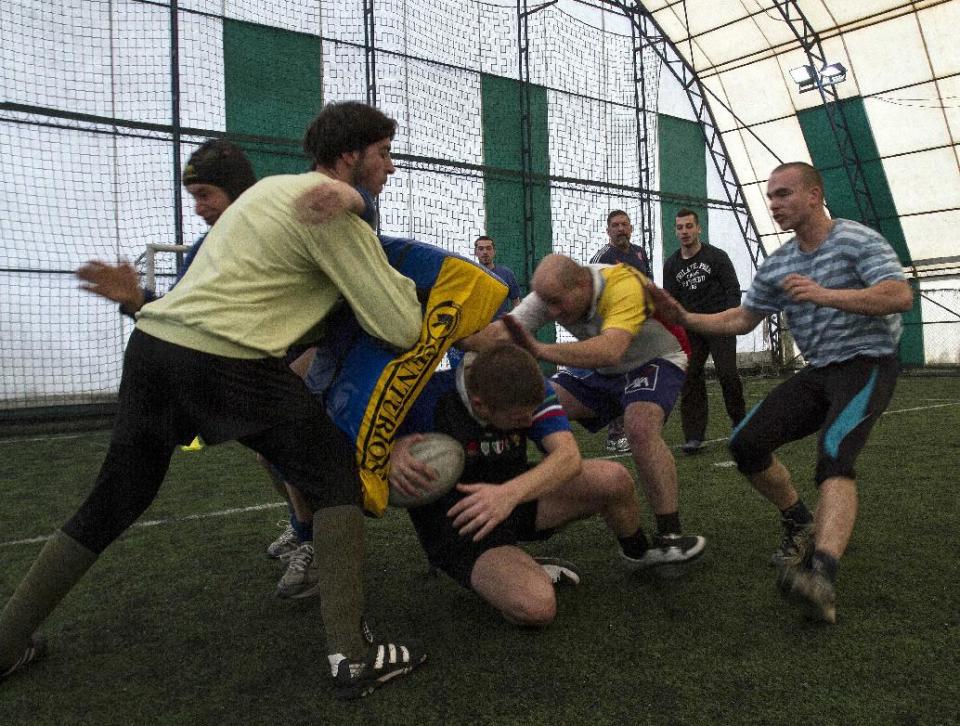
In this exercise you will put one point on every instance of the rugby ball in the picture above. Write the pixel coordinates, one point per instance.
(445, 454)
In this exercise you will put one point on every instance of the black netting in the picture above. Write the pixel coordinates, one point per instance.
(92, 116)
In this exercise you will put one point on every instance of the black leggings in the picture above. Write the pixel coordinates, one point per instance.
(841, 400)
(168, 394)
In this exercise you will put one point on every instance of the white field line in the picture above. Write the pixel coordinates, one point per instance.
(922, 408)
(275, 505)
(53, 437)
(885, 413)
(157, 522)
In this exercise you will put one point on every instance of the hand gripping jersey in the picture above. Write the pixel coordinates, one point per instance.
(619, 301)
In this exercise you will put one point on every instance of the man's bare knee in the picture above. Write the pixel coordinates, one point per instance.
(533, 610)
(509, 580)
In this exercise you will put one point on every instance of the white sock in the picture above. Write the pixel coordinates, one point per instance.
(335, 659)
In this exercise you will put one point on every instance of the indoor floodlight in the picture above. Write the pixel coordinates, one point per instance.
(804, 75)
(833, 73)
(807, 77)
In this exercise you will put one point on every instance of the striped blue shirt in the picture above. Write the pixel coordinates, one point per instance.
(852, 257)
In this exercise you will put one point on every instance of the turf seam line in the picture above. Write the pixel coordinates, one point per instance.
(169, 520)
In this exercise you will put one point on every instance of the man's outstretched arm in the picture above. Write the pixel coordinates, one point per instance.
(883, 298)
(734, 321)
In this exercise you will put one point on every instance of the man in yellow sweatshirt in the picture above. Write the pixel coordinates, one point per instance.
(207, 358)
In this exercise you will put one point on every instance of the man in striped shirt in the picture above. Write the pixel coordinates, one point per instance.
(842, 289)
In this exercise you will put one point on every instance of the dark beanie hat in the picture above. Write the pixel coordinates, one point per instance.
(222, 164)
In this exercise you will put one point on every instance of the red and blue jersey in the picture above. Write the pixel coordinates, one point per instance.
(493, 455)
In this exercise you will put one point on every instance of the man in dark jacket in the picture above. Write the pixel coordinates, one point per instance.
(702, 278)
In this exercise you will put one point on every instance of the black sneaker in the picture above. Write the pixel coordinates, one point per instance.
(796, 545)
(35, 650)
(383, 662)
(667, 549)
(562, 573)
(812, 588)
(691, 446)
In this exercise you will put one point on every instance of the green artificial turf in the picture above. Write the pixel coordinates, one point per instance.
(177, 622)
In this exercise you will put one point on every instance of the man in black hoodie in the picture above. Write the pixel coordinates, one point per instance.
(702, 278)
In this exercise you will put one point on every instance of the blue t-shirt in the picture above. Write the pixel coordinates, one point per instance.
(510, 280)
(852, 257)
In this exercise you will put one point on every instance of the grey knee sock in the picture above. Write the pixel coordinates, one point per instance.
(338, 546)
(61, 562)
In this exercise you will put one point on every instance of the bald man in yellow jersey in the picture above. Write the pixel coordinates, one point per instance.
(624, 361)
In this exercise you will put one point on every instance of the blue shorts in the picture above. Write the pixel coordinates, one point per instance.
(608, 396)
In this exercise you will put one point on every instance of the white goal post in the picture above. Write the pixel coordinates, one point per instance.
(149, 261)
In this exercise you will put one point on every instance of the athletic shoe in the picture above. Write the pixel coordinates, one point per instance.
(301, 578)
(691, 446)
(383, 662)
(618, 445)
(283, 546)
(562, 573)
(667, 549)
(796, 545)
(811, 587)
(35, 650)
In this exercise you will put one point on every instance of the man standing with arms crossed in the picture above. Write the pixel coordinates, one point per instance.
(842, 289)
(702, 279)
(619, 249)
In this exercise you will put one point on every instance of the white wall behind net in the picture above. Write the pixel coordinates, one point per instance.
(74, 186)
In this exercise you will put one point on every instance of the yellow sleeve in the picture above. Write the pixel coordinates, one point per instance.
(623, 303)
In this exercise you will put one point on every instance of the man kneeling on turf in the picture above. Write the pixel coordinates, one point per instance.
(492, 404)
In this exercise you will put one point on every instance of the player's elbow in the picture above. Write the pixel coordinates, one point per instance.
(570, 462)
(887, 298)
(741, 320)
(903, 300)
(411, 337)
